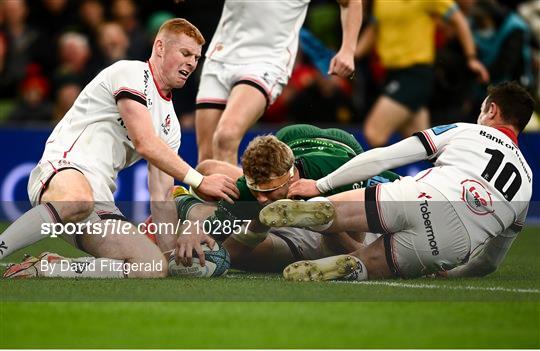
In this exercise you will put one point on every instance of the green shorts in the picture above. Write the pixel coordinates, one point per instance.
(410, 86)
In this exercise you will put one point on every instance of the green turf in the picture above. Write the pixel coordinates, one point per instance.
(263, 311)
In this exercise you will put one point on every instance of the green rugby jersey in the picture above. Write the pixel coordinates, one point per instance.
(318, 152)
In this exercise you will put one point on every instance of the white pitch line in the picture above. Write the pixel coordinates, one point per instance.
(395, 284)
(445, 287)
(412, 286)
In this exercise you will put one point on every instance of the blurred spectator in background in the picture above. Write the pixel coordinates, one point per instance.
(404, 35)
(91, 17)
(503, 42)
(125, 13)
(52, 18)
(7, 81)
(33, 105)
(453, 84)
(113, 43)
(74, 55)
(325, 99)
(21, 40)
(530, 11)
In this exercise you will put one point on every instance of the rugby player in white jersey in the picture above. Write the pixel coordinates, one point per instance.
(249, 61)
(458, 218)
(124, 114)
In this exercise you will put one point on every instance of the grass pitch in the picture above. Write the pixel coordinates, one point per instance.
(262, 311)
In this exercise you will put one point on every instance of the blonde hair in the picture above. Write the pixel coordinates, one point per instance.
(181, 26)
(266, 157)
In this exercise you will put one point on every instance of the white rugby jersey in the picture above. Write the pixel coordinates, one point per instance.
(482, 171)
(251, 31)
(93, 134)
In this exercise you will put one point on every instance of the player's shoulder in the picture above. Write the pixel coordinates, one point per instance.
(127, 65)
(451, 130)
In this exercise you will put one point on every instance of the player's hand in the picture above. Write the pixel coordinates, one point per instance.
(439, 275)
(306, 188)
(218, 186)
(187, 243)
(342, 64)
(478, 69)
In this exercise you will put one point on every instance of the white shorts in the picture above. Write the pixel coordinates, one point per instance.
(104, 206)
(218, 79)
(304, 244)
(423, 232)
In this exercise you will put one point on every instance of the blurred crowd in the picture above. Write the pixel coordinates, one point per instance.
(50, 49)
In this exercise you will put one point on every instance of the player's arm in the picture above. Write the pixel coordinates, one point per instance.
(362, 167)
(492, 254)
(162, 208)
(366, 42)
(351, 20)
(148, 144)
(459, 22)
(488, 260)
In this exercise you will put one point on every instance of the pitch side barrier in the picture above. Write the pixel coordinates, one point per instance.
(22, 149)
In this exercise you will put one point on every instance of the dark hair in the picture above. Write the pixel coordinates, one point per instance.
(515, 103)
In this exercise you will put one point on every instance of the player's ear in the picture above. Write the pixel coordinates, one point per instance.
(493, 110)
(160, 47)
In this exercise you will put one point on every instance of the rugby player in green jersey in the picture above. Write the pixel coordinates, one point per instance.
(270, 165)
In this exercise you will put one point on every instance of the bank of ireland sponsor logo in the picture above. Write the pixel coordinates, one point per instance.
(476, 197)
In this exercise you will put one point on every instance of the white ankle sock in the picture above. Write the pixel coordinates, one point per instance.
(359, 274)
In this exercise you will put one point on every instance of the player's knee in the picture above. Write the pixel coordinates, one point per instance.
(77, 208)
(374, 137)
(207, 167)
(227, 138)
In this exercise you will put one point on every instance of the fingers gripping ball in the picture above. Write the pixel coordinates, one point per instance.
(218, 262)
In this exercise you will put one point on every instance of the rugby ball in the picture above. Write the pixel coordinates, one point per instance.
(217, 260)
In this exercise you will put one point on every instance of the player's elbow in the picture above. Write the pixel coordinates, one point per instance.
(143, 146)
(487, 267)
(490, 268)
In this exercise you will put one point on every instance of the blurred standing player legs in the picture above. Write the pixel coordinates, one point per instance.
(404, 34)
(244, 73)
(458, 218)
(124, 114)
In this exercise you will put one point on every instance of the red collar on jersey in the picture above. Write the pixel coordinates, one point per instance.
(166, 98)
(509, 133)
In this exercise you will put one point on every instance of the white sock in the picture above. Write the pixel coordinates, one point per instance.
(82, 267)
(359, 274)
(26, 230)
(322, 227)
